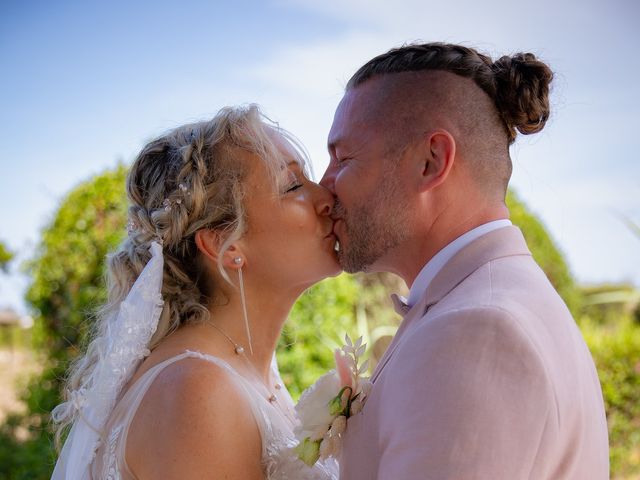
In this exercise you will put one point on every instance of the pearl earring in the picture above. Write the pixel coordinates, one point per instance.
(238, 261)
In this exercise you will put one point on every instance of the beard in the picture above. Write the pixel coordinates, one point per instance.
(374, 226)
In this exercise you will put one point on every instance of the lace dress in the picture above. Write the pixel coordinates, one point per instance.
(278, 460)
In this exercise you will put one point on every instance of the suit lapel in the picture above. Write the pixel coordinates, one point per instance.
(503, 242)
(417, 311)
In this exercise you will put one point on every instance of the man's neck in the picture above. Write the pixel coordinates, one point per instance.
(408, 259)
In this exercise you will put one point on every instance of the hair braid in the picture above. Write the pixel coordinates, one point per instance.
(186, 180)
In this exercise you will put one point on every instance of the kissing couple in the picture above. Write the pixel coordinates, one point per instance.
(487, 378)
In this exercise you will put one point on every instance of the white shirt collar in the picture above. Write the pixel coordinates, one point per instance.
(433, 266)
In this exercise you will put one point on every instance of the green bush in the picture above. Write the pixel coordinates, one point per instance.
(616, 351)
(545, 252)
(15, 337)
(608, 303)
(314, 329)
(5, 257)
(24, 460)
(67, 285)
(68, 269)
(26, 443)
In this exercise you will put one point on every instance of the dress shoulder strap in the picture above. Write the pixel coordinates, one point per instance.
(133, 397)
(117, 427)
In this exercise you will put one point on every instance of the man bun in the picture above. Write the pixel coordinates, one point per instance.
(517, 84)
(522, 92)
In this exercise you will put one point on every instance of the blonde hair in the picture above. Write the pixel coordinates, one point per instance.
(189, 179)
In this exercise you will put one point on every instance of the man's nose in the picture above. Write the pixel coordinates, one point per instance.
(328, 179)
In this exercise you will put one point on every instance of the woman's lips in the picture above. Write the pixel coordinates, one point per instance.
(332, 232)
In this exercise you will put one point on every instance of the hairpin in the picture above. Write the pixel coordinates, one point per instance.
(132, 227)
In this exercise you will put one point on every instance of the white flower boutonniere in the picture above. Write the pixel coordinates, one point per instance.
(323, 409)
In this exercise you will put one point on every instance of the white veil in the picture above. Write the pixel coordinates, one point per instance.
(121, 349)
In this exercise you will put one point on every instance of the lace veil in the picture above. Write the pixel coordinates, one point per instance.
(121, 349)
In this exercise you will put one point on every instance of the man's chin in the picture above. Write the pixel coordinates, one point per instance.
(353, 265)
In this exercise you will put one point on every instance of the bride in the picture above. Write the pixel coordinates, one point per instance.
(180, 382)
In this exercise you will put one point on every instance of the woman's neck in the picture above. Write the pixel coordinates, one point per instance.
(266, 313)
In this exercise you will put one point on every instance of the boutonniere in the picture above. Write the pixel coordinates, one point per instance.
(323, 408)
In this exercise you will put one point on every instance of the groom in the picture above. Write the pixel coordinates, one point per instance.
(488, 376)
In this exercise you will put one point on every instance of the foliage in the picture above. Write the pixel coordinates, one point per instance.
(353, 304)
(67, 285)
(15, 337)
(607, 303)
(26, 443)
(67, 271)
(616, 350)
(5, 257)
(314, 329)
(544, 251)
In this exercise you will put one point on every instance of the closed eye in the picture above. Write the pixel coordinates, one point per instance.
(293, 188)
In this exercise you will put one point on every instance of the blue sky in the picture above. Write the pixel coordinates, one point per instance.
(85, 84)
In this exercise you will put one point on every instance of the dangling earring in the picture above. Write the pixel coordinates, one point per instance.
(238, 261)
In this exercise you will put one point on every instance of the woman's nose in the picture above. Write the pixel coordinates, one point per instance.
(324, 200)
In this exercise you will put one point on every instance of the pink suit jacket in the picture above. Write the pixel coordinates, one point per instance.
(488, 378)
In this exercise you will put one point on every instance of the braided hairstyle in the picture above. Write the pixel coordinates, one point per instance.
(186, 180)
(518, 84)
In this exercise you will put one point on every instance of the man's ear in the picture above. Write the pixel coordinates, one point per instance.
(439, 152)
(209, 243)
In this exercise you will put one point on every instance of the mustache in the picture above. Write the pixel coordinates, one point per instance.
(338, 210)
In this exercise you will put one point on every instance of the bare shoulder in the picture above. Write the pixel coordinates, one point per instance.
(194, 421)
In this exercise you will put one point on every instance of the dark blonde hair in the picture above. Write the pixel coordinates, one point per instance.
(189, 179)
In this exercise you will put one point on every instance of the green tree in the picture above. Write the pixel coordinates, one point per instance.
(616, 351)
(68, 268)
(545, 252)
(5, 257)
(67, 285)
(314, 329)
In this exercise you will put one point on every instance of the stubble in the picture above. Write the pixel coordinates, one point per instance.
(375, 226)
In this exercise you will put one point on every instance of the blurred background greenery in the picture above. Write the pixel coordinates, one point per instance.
(67, 285)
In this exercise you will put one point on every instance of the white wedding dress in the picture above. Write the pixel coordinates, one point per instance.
(95, 446)
(278, 460)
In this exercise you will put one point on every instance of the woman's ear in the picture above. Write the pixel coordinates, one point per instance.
(233, 257)
(209, 243)
(439, 154)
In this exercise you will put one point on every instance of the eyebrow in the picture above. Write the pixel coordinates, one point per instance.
(292, 163)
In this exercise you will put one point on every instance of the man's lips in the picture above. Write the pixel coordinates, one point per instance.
(332, 232)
